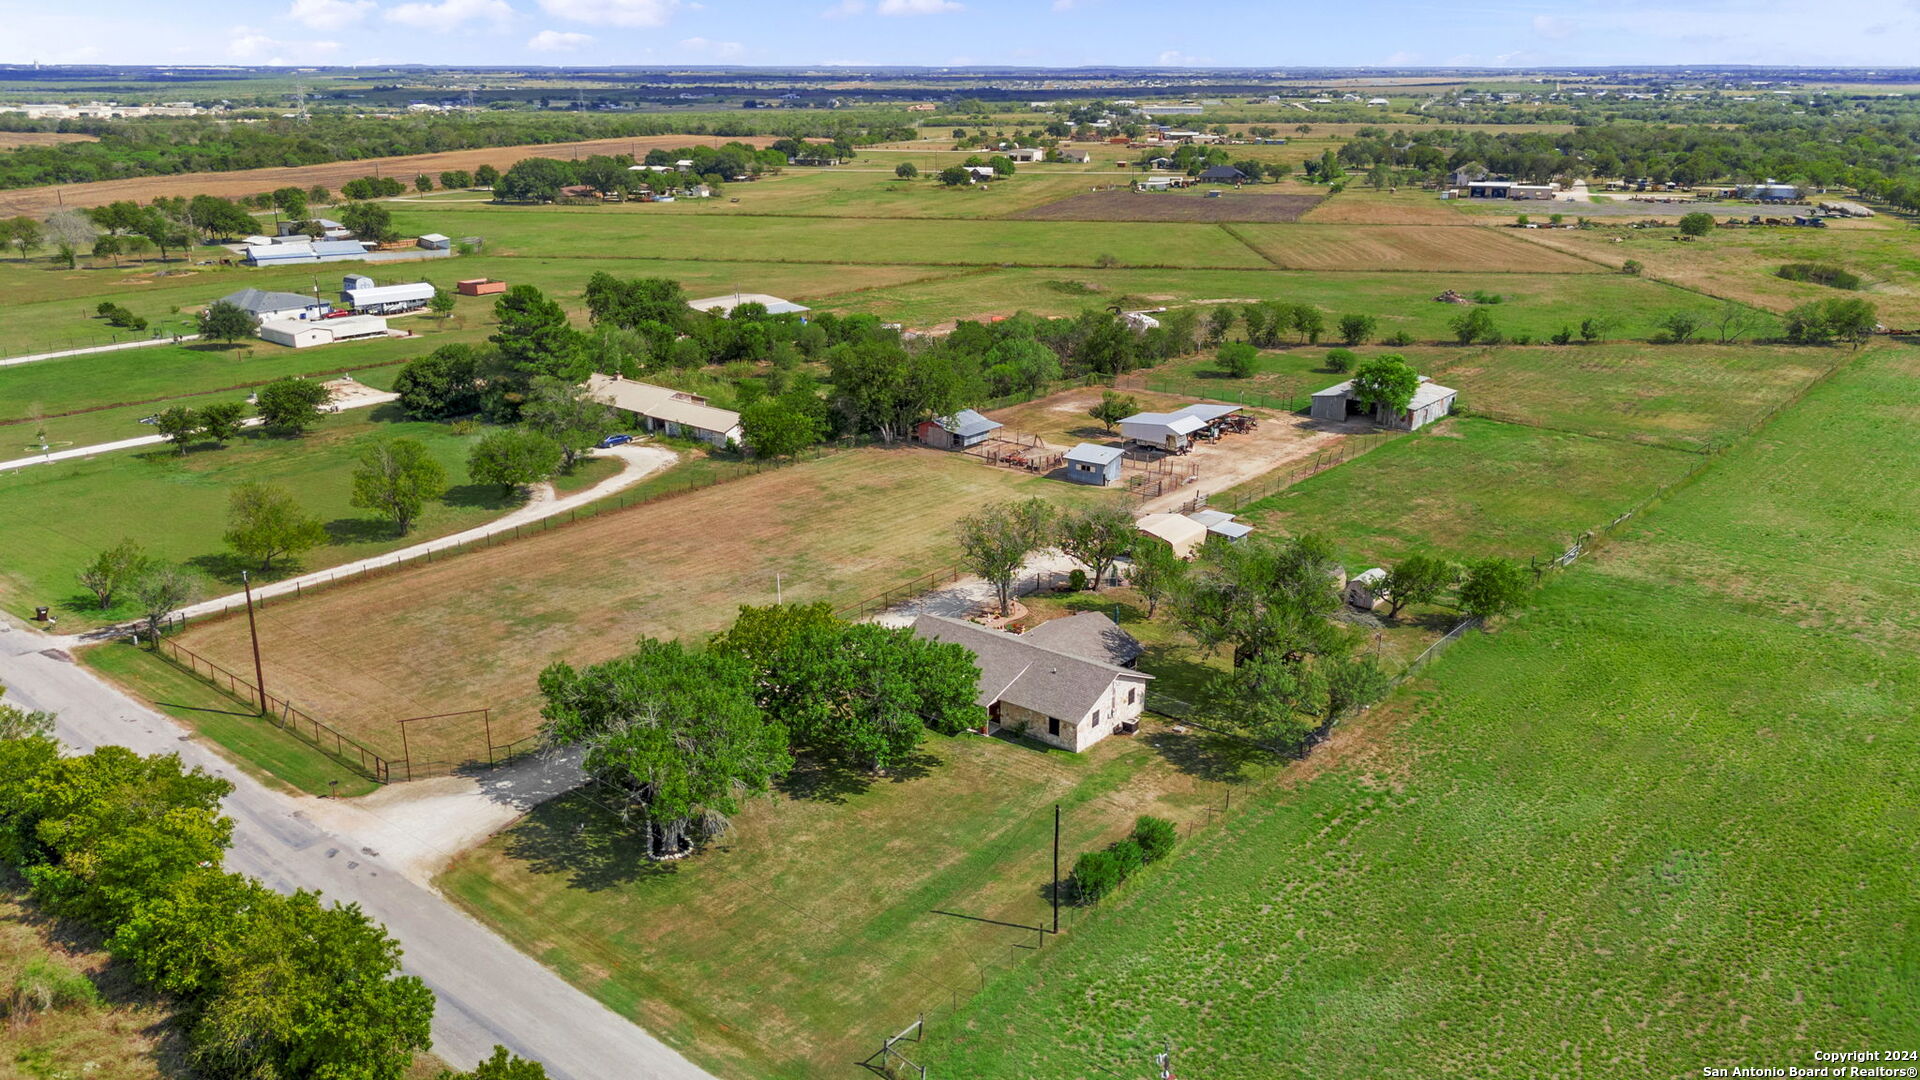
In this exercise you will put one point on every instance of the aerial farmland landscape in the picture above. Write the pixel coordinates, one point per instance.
(549, 538)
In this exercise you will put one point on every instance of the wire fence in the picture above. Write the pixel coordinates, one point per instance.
(197, 393)
(1343, 450)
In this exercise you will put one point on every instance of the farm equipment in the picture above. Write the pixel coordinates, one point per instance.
(1451, 297)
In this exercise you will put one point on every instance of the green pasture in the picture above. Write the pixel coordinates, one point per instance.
(1469, 488)
(1627, 834)
(176, 507)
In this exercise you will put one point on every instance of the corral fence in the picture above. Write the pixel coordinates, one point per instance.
(1286, 403)
(1343, 450)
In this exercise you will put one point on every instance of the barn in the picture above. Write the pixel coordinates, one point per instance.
(1173, 430)
(1183, 534)
(957, 432)
(1431, 401)
(357, 291)
(306, 333)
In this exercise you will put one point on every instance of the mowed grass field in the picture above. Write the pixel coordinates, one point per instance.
(1656, 824)
(175, 506)
(1306, 246)
(834, 911)
(1470, 488)
(474, 631)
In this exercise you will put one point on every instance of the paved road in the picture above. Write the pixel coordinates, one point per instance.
(488, 991)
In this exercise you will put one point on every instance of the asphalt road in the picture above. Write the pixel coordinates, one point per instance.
(488, 991)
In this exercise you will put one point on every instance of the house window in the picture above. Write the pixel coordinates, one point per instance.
(1053, 726)
(1133, 694)
(1096, 718)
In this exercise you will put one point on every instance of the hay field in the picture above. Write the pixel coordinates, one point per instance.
(475, 630)
(1307, 246)
(1360, 206)
(13, 140)
(40, 201)
(1126, 205)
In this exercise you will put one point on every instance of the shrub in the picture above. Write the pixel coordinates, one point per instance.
(1520, 339)
(1398, 339)
(1077, 580)
(43, 986)
(1095, 874)
(1481, 296)
(1128, 856)
(1632, 267)
(1341, 361)
(1237, 358)
(1564, 336)
(1826, 274)
(1155, 837)
(1493, 587)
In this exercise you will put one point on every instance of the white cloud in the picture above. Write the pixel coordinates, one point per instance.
(449, 14)
(917, 7)
(1176, 58)
(613, 12)
(557, 41)
(1553, 26)
(845, 9)
(251, 45)
(718, 50)
(329, 14)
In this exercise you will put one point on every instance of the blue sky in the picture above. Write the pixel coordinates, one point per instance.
(958, 32)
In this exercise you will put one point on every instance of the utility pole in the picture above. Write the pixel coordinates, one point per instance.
(253, 631)
(1056, 867)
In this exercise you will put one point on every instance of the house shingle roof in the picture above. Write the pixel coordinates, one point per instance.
(261, 301)
(1020, 671)
(1090, 635)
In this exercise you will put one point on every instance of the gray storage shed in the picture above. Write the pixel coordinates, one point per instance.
(1091, 463)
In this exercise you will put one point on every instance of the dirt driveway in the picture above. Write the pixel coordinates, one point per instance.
(1281, 439)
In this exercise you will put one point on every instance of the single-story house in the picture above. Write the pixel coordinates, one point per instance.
(726, 304)
(957, 432)
(1026, 154)
(329, 229)
(1365, 591)
(1076, 157)
(979, 174)
(1183, 534)
(1222, 174)
(1160, 163)
(1042, 690)
(1173, 430)
(358, 292)
(311, 251)
(305, 333)
(434, 241)
(263, 305)
(1091, 463)
(668, 411)
(480, 287)
(1090, 635)
(1431, 401)
(1220, 523)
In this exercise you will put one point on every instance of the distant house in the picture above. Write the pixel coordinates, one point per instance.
(726, 304)
(363, 297)
(1026, 154)
(1377, 103)
(668, 411)
(433, 241)
(1174, 430)
(480, 287)
(1222, 174)
(957, 432)
(1431, 401)
(305, 333)
(979, 174)
(329, 229)
(1074, 157)
(1160, 163)
(1091, 463)
(303, 252)
(264, 305)
(1467, 174)
(1183, 534)
(1046, 690)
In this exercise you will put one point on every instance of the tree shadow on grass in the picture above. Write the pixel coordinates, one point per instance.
(833, 782)
(576, 836)
(223, 567)
(1203, 755)
(387, 412)
(359, 530)
(1092, 433)
(483, 497)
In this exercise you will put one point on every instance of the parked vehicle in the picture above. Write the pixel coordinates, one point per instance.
(612, 441)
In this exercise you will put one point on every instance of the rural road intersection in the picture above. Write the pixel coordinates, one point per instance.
(489, 992)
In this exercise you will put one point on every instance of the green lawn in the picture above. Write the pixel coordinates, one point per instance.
(1470, 488)
(267, 753)
(1658, 823)
(835, 910)
(176, 506)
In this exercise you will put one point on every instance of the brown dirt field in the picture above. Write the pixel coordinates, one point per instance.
(10, 140)
(39, 201)
(1167, 206)
(1370, 208)
(1309, 246)
(474, 631)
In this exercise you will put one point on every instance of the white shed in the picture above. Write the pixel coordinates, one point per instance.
(1364, 590)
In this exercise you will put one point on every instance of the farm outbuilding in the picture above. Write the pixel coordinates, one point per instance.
(726, 304)
(1091, 463)
(1183, 534)
(306, 333)
(434, 241)
(358, 292)
(1365, 590)
(957, 432)
(1173, 430)
(311, 251)
(1220, 523)
(1431, 401)
(480, 287)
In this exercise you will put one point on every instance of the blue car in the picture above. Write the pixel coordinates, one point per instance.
(611, 441)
